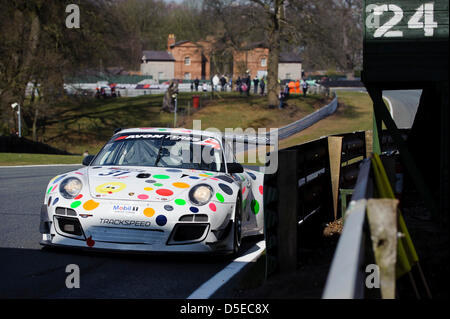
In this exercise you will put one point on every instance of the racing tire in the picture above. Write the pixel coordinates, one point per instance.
(237, 227)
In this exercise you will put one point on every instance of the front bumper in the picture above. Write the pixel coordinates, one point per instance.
(142, 235)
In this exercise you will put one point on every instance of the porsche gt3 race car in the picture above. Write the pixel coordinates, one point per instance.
(159, 190)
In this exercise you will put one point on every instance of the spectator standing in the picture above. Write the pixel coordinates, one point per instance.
(255, 85)
(215, 82)
(297, 87)
(262, 85)
(281, 97)
(239, 84)
(248, 82)
(205, 87)
(196, 83)
(286, 92)
(223, 81)
(305, 87)
(291, 87)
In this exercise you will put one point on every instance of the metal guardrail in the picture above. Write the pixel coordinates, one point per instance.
(297, 201)
(307, 121)
(345, 279)
(304, 191)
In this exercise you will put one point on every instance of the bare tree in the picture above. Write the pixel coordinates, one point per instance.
(275, 22)
(329, 33)
(36, 48)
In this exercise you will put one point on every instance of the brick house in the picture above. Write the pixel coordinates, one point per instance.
(255, 59)
(290, 66)
(159, 65)
(187, 60)
(192, 59)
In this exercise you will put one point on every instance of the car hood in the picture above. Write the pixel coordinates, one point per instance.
(144, 184)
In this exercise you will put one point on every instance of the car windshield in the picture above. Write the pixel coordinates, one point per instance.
(162, 150)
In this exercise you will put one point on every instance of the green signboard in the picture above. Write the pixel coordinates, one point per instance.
(405, 40)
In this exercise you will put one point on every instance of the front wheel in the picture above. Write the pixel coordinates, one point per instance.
(237, 229)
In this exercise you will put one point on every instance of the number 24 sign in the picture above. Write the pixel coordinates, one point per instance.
(394, 27)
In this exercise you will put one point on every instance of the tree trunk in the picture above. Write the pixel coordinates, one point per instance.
(274, 53)
(34, 129)
(26, 69)
(272, 74)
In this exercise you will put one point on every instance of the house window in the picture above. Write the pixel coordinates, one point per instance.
(187, 76)
(263, 62)
(187, 61)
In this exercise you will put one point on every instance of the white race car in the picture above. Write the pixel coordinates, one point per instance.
(156, 189)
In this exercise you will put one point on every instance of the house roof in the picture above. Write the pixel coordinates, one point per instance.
(179, 43)
(290, 57)
(157, 56)
(285, 57)
(255, 45)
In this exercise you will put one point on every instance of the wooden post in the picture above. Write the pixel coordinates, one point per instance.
(287, 181)
(382, 217)
(335, 152)
(369, 140)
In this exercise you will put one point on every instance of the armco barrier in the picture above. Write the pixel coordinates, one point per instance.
(298, 198)
(346, 277)
(307, 121)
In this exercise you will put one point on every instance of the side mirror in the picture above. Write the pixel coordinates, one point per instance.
(88, 159)
(235, 168)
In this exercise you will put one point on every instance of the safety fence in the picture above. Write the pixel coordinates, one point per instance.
(346, 276)
(130, 89)
(375, 248)
(310, 119)
(308, 191)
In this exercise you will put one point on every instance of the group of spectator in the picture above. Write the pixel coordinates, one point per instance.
(289, 88)
(243, 86)
(101, 92)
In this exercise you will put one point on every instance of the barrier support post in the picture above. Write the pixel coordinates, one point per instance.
(381, 112)
(287, 180)
(382, 218)
(335, 152)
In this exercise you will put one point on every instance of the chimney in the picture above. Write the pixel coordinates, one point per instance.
(170, 41)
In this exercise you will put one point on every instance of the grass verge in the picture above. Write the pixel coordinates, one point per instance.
(87, 124)
(354, 113)
(12, 159)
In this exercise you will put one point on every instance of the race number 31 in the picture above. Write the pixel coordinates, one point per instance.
(423, 18)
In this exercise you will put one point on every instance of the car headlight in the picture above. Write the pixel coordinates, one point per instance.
(200, 194)
(70, 187)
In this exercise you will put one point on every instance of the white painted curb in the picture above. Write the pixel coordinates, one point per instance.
(206, 290)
